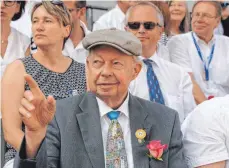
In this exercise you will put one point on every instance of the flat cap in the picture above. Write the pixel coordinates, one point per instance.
(124, 41)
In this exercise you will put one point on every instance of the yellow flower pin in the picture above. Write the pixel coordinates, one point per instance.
(140, 135)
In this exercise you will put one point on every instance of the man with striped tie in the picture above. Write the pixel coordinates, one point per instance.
(106, 127)
(159, 80)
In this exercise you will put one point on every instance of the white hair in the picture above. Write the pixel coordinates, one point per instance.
(159, 13)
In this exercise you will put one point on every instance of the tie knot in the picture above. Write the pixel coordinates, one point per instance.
(113, 115)
(148, 62)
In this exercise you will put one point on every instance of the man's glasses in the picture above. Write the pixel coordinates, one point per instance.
(9, 3)
(202, 15)
(147, 25)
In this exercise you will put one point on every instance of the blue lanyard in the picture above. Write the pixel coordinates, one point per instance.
(206, 64)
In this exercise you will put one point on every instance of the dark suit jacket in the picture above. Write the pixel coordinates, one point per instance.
(74, 137)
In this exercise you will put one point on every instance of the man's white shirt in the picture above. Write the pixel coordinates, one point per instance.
(124, 121)
(175, 84)
(184, 53)
(115, 18)
(78, 53)
(206, 133)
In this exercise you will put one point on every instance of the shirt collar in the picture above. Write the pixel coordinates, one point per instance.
(203, 42)
(154, 58)
(104, 108)
(84, 27)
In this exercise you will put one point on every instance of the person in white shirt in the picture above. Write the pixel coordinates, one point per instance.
(175, 84)
(73, 46)
(115, 17)
(14, 44)
(206, 134)
(204, 55)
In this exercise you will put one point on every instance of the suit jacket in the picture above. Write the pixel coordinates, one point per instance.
(74, 137)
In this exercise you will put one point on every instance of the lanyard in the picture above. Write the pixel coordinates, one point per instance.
(206, 64)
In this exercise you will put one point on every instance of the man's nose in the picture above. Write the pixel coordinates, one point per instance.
(107, 70)
(141, 29)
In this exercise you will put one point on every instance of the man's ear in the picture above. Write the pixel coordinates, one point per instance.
(83, 11)
(161, 30)
(137, 69)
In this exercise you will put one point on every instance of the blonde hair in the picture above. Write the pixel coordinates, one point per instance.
(59, 11)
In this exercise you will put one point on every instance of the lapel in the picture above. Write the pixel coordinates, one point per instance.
(90, 127)
(139, 119)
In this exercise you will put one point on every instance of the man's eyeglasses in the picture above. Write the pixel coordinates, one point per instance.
(147, 25)
(202, 15)
(9, 3)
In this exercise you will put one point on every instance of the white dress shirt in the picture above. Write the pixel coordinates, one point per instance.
(78, 53)
(206, 133)
(184, 53)
(18, 43)
(123, 120)
(113, 19)
(175, 84)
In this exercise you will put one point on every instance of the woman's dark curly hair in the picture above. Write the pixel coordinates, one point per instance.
(21, 11)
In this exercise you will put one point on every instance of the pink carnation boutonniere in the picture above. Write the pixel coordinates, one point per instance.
(156, 149)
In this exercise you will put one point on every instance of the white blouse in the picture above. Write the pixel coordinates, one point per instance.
(16, 48)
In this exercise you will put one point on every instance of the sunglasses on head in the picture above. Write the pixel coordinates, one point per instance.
(147, 25)
(58, 3)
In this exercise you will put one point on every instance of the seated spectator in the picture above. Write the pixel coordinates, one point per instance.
(179, 17)
(55, 74)
(14, 44)
(107, 127)
(159, 80)
(206, 135)
(115, 17)
(204, 55)
(73, 46)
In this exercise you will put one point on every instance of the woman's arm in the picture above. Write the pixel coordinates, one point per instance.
(27, 53)
(12, 93)
(215, 165)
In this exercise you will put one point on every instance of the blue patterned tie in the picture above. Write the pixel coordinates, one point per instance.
(115, 150)
(153, 84)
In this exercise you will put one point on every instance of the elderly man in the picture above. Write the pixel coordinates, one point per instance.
(159, 80)
(206, 135)
(107, 127)
(204, 55)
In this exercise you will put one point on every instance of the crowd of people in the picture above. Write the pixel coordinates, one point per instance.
(148, 72)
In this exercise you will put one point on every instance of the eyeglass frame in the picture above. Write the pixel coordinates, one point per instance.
(142, 23)
(203, 15)
(5, 3)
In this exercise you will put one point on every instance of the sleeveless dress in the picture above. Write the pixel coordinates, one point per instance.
(59, 85)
